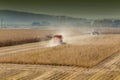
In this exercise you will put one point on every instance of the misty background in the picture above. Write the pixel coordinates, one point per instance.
(57, 13)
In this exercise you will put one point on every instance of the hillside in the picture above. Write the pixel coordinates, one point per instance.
(19, 19)
(9, 17)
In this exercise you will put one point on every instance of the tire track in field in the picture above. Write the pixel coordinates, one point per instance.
(32, 75)
(21, 48)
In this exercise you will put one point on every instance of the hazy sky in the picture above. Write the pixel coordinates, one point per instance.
(75, 8)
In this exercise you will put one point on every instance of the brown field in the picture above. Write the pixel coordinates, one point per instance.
(87, 52)
(10, 37)
(109, 69)
(100, 54)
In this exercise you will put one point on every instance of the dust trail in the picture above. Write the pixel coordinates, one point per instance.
(71, 37)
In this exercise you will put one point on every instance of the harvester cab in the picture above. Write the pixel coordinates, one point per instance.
(58, 39)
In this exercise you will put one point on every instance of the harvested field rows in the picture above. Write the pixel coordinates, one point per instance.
(103, 71)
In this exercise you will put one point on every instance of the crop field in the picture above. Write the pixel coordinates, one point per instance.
(84, 53)
(83, 57)
(10, 37)
(109, 69)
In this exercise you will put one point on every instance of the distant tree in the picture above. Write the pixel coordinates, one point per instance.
(36, 24)
(42, 23)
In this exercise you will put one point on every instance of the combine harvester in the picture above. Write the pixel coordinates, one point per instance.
(56, 40)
